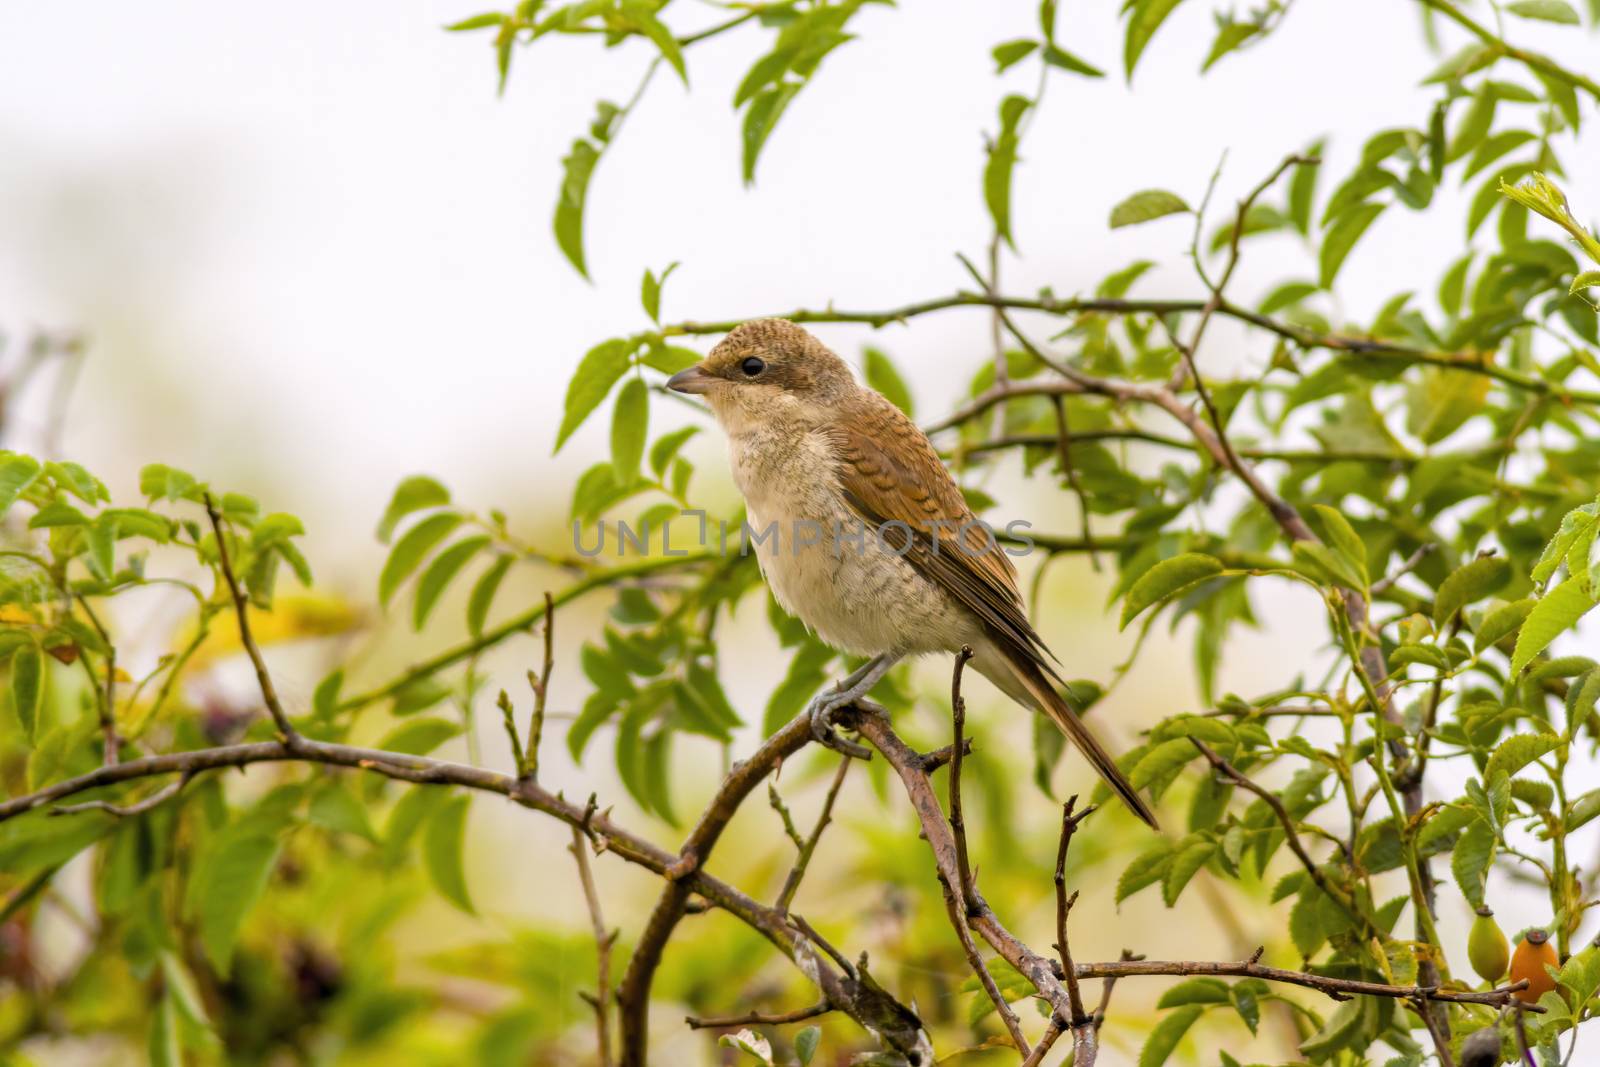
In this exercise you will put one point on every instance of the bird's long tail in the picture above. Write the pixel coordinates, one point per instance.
(1024, 682)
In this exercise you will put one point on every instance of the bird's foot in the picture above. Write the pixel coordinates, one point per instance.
(823, 708)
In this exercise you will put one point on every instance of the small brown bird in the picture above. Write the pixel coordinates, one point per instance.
(874, 546)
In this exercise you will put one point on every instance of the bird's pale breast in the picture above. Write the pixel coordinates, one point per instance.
(846, 584)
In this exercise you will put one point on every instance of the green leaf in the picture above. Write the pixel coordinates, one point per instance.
(419, 737)
(1342, 537)
(1011, 53)
(1469, 860)
(27, 688)
(442, 848)
(1002, 161)
(336, 809)
(1475, 123)
(650, 291)
(158, 481)
(1167, 579)
(231, 879)
(597, 372)
(577, 167)
(17, 472)
(1161, 761)
(1467, 585)
(439, 574)
(750, 1043)
(1341, 237)
(643, 16)
(325, 698)
(1303, 190)
(1163, 1040)
(882, 376)
(483, 591)
(1546, 11)
(408, 552)
(1147, 205)
(630, 428)
(1501, 622)
(1230, 36)
(667, 446)
(413, 494)
(805, 1044)
(1186, 862)
(760, 118)
(1148, 868)
(1344, 1026)
(1059, 57)
(1194, 991)
(1441, 400)
(668, 359)
(1585, 280)
(477, 22)
(1556, 612)
(1143, 22)
(1515, 753)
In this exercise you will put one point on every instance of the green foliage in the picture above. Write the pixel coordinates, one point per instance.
(1423, 479)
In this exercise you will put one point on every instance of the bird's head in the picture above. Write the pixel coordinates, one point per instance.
(765, 369)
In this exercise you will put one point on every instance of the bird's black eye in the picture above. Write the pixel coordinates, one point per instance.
(752, 366)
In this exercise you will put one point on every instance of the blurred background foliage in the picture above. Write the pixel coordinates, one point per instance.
(1438, 443)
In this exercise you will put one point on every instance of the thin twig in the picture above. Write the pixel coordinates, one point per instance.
(603, 940)
(958, 824)
(960, 897)
(1084, 1032)
(540, 684)
(108, 696)
(791, 883)
(757, 1018)
(154, 800)
(241, 607)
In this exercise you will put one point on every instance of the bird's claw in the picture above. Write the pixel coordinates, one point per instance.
(822, 710)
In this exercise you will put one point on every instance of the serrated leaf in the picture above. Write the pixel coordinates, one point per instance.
(442, 847)
(1467, 585)
(1146, 869)
(1167, 579)
(419, 737)
(1147, 205)
(1342, 1028)
(1470, 859)
(1501, 622)
(805, 1044)
(1162, 760)
(1555, 613)
(643, 16)
(597, 372)
(1515, 753)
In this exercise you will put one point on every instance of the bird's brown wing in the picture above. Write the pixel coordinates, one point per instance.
(892, 477)
(894, 480)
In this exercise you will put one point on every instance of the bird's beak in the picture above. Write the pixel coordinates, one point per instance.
(693, 380)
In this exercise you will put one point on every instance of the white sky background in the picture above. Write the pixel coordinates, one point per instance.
(313, 250)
